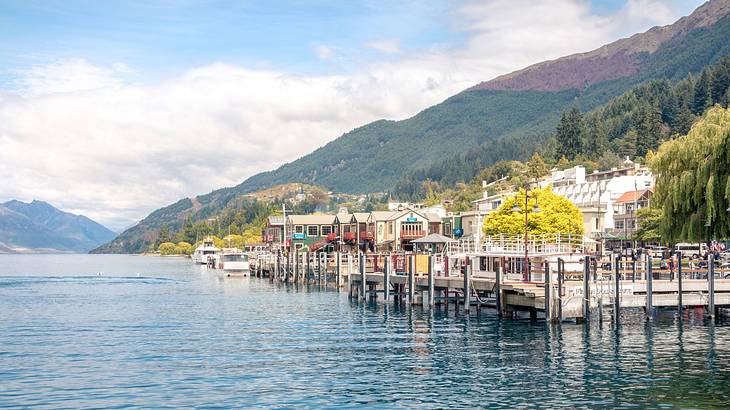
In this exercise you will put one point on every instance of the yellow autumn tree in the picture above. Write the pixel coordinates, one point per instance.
(557, 215)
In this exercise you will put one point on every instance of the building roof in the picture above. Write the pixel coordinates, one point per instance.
(276, 220)
(433, 238)
(631, 196)
(432, 217)
(342, 218)
(311, 219)
(361, 216)
(383, 215)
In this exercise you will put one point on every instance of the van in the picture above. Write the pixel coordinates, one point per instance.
(693, 250)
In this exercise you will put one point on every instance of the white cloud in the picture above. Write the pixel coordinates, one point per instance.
(387, 46)
(324, 52)
(84, 139)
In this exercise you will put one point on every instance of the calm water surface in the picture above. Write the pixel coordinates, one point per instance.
(130, 331)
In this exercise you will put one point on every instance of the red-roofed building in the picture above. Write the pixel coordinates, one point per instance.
(625, 207)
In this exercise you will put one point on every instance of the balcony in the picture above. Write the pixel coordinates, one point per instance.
(366, 236)
(412, 234)
(331, 237)
(348, 236)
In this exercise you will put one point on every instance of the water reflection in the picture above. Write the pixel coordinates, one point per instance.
(183, 337)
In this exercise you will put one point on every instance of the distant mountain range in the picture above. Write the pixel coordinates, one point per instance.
(508, 117)
(39, 227)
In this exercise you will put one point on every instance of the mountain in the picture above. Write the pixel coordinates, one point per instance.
(39, 227)
(508, 117)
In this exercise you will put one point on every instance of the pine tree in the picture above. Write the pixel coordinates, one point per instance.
(720, 82)
(595, 140)
(702, 93)
(569, 134)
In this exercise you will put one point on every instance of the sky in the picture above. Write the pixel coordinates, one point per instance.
(114, 109)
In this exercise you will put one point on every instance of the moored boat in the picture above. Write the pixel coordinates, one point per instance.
(206, 253)
(233, 262)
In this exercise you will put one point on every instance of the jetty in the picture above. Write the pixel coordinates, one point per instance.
(559, 282)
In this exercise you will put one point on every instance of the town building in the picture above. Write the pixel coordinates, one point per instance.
(308, 232)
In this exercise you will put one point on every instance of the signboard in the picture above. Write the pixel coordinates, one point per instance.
(298, 236)
(458, 232)
(412, 219)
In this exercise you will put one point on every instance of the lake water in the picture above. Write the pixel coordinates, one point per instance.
(130, 331)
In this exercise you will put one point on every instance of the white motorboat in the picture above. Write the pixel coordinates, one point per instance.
(233, 262)
(206, 253)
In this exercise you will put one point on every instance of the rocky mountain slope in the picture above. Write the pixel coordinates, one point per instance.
(39, 227)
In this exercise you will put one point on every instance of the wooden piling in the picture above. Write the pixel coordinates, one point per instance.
(431, 281)
(711, 285)
(586, 288)
(386, 279)
(411, 278)
(679, 282)
(548, 292)
(561, 279)
(363, 280)
(498, 290)
(649, 290)
(338, 265)
(296, 266)
(467, 287)
(617, 294)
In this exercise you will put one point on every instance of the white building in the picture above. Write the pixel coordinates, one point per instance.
(595, 194)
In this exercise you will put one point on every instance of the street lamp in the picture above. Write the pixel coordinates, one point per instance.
(535, 209)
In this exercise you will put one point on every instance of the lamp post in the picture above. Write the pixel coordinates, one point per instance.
(535, 209)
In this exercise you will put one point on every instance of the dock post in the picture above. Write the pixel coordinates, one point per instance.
(411, 278)
(711, 285)
(633, 271)
(349, 269)
(319, 268)
(431, 281)
(363, 280)
(498, 290)
(339, 268)
(679, 282)
(617, 295)
(277, 266)
(386, 279)
(561, 279)
(467, 287)
(296, 266)
(649, 289)
(586, 288)
(548, 292)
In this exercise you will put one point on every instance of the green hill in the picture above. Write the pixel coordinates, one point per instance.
(506, 118)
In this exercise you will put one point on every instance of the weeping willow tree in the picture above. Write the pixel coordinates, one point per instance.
(693, 184)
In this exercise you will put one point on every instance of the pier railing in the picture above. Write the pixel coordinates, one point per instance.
(514, 245)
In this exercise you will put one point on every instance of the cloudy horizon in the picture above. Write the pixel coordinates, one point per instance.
(101, 117)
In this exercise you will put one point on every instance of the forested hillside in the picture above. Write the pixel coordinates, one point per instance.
(454, 140)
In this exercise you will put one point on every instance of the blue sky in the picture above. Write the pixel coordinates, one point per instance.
(127, 106)
(159, 39)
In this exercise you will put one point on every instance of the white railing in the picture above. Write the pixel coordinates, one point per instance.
(514, 245)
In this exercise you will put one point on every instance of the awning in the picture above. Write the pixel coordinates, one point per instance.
(433, 238)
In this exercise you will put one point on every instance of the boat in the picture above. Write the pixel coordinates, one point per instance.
(233, 262)
(206, 253)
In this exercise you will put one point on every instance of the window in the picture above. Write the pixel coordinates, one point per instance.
(326, 230)
(298, 228)
(619, 224)
(298, 246)
(313, 230)
(447, 228)
(597, 220)
(390, 228)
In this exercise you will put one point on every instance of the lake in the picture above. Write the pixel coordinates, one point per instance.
(131, 331)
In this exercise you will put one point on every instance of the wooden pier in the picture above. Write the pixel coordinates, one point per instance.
(558, 295)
